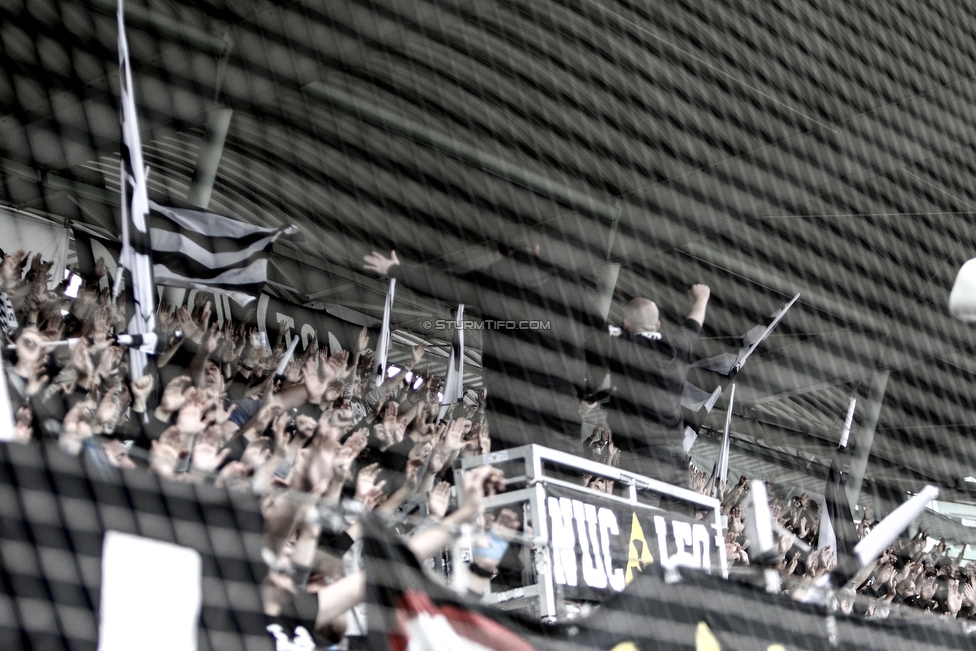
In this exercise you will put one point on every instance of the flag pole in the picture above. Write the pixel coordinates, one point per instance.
(722, 464)
(454, 382)
(383, 345)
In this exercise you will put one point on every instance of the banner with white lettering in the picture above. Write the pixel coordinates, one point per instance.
(600, 544)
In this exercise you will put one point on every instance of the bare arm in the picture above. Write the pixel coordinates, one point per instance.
(699, 293)
(422, 278)
(349, 591)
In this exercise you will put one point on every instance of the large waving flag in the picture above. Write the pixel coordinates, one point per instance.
(200, 250)
(136, 247)
(728, 363)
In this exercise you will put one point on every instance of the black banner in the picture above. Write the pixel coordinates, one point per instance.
(599, 544)
(307, 324)
(690, 611)
(701, 612)
(266, 313)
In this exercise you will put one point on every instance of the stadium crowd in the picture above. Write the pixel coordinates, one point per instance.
(320, 443)
(913, 571)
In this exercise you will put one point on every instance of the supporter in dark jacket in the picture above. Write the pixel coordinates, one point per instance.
(648, 369)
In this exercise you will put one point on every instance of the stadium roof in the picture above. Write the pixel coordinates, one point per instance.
(765, 148)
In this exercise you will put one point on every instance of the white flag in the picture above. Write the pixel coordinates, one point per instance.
(383, 345)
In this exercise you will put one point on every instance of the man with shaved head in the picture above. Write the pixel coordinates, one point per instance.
(648, 369)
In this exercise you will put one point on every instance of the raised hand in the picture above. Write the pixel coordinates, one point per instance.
(108, 410)
(418, 354)
(390, 430)
(23, 432)
(438, 499)
(927, 588)
(174, 395)
(108, 364)
(54, 328)
(953, 599)
(164, 454)
(37, 379)
(81, 359)
(380, 264)
(221, 415)
(207, 455)
(477, 484)
(366, 480)
(363, 341)
(10, 269)
(193, 416)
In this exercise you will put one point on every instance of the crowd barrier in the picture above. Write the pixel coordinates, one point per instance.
(582, 544)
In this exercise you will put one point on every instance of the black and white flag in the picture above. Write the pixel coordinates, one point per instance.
(136, 247)
(200, 250)
(728, 363)
(709, 377)
(454, 382)
(383, 345)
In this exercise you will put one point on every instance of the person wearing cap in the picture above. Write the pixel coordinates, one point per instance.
(536, 317)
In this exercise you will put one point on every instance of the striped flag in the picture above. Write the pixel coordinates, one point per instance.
(454, 382)
(136, 248)
(200, 250)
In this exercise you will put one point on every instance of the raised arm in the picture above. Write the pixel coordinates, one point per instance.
(699, 294)
(422, 278)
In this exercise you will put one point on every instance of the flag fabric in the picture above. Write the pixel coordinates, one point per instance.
(681, 609)
(454, 382)
(722, 463)
(836, 520)
(871, 546)
(689, 610)
(136, 246)
(200, 250)
(708, 377)
(728, 363)
(408, 609)
(383, 345)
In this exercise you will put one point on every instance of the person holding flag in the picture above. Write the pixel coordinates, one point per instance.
(648, 370)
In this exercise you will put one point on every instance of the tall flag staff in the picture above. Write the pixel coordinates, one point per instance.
(836, 520)
(136, 247)
(383, 345)
(721, 471)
